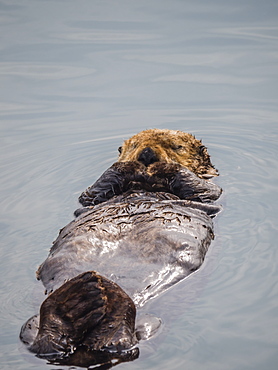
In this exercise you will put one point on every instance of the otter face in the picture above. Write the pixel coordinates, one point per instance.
(168, 146)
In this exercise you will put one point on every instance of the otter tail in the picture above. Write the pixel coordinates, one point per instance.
(89, 319)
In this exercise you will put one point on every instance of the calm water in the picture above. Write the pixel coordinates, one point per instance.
(78, 77)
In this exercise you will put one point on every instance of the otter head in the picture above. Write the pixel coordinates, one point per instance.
(168, 146)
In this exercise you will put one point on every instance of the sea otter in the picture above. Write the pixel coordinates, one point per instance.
(144, 225)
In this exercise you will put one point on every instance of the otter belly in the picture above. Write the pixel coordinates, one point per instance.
(142, 244)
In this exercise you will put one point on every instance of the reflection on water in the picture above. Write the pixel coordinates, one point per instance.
(77, 80)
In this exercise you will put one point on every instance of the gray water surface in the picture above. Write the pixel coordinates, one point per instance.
(77, 78)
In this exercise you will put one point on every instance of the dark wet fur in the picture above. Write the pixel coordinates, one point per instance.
(155, 217)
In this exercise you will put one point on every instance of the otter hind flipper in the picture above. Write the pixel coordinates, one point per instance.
(147, 326)
(87, 311)
(30, 330)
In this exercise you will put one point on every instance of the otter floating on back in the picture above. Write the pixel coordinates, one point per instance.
(145, 224)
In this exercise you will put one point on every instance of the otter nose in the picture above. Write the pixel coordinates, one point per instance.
(147, 156)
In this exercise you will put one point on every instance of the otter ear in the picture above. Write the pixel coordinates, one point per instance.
(120, 149)
(201, 149)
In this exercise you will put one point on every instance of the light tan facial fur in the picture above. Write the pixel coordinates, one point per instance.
(162, 145)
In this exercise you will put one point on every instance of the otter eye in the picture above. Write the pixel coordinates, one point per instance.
(177, 147)
(120, 149)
